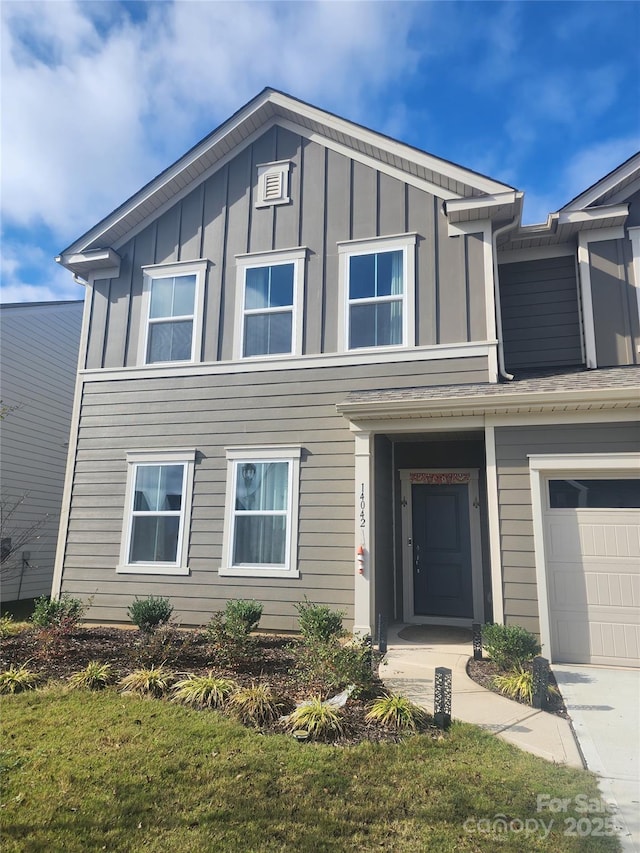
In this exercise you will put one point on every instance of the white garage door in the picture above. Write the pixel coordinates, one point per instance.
(592, 549)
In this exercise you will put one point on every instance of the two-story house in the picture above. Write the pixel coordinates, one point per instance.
(318, 362)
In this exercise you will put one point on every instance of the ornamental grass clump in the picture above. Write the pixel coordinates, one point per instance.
(152, 681)
(255, 705)
(397, 712)
(509, 646)
(518, 685)
(316, 720)
(203, 691)
(17, 679)
(9, 628)
(95, 676)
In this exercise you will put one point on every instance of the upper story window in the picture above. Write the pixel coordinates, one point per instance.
(172, 307)
(270, 289)
(157, 512)
(273, 183)
(377, 282)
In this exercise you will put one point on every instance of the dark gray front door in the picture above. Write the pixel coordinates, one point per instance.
(441, 551)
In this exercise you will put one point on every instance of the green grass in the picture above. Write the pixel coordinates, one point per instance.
(101, 771)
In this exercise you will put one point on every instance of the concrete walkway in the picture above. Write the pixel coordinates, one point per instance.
(413, 654)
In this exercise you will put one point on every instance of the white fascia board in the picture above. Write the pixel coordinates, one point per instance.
(597, 216)
(399, 149)
(574, 462)
(104, 261)
(505, 403)
(607, 184)
(485, 207)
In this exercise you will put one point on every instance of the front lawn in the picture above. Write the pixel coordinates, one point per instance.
(83, 771)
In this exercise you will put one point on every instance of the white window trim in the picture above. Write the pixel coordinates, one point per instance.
(543, 467)
(296, 256)
(135, 458)
(269, 453)
(282, 168)
(346, 249)
(198, 268)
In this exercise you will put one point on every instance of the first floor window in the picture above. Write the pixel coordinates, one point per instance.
(377, 280)
(262, 511)
(159, 486)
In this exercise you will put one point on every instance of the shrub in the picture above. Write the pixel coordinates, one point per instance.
(317, 719)
(149, 613)
(518, 684)
(255, 705)
(335, 665)
(247, 612)
(164, 645)
(397, 712)
(203, 691)
(509, 646)
(231, 639)
(153, 681)
(317, 621)
(18, 678)
(63, 613)
(95, 676)
(9, 628)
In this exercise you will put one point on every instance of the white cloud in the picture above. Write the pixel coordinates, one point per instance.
(19, 259)
(594, 162)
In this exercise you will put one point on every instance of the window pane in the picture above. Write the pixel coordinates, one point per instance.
(267, 334)
(154, 539)
(594, 494)
(170, 341)
(161, 297)
(184, 295)
(281, 286)
(375, 325)
(260, 540)
(362, 276)
(257, 288)
(262, 486)
(389, 273)
(158, 487)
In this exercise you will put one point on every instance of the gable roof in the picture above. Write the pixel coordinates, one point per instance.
(445, 179)
(618, 185)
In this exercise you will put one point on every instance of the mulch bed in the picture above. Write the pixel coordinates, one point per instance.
(187, 651)
(484, 671)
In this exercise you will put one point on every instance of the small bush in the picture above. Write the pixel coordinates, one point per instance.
(518, 685)
(150, 613)
(509, 646)
(317, 719)
(245, 611)
(63, 613)
(334, 665)
(397, 712)
(153, 681)
(9, 628)
(16, 679)
(95, 676)
(203, 691)
(317, 621)
(164, 645)
(231, 640)
(255, 705)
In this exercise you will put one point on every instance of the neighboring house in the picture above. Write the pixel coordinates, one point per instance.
(305, 339)
(38, 366)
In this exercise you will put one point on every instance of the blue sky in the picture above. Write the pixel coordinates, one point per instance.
(98, 97)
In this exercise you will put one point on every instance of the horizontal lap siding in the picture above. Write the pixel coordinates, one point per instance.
(209, 413)
(540, 314)
(513, 446)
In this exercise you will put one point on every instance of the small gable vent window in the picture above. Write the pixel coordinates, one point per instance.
(273, 183)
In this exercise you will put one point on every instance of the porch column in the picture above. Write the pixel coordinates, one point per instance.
(364, 580)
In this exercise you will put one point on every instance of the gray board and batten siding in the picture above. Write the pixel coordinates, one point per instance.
(615, 303)
(333, 198)
(513, 446)
(208, 413)
(540, 313)
(39, 354)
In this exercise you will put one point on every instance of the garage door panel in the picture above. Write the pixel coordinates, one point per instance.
(593, 578)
